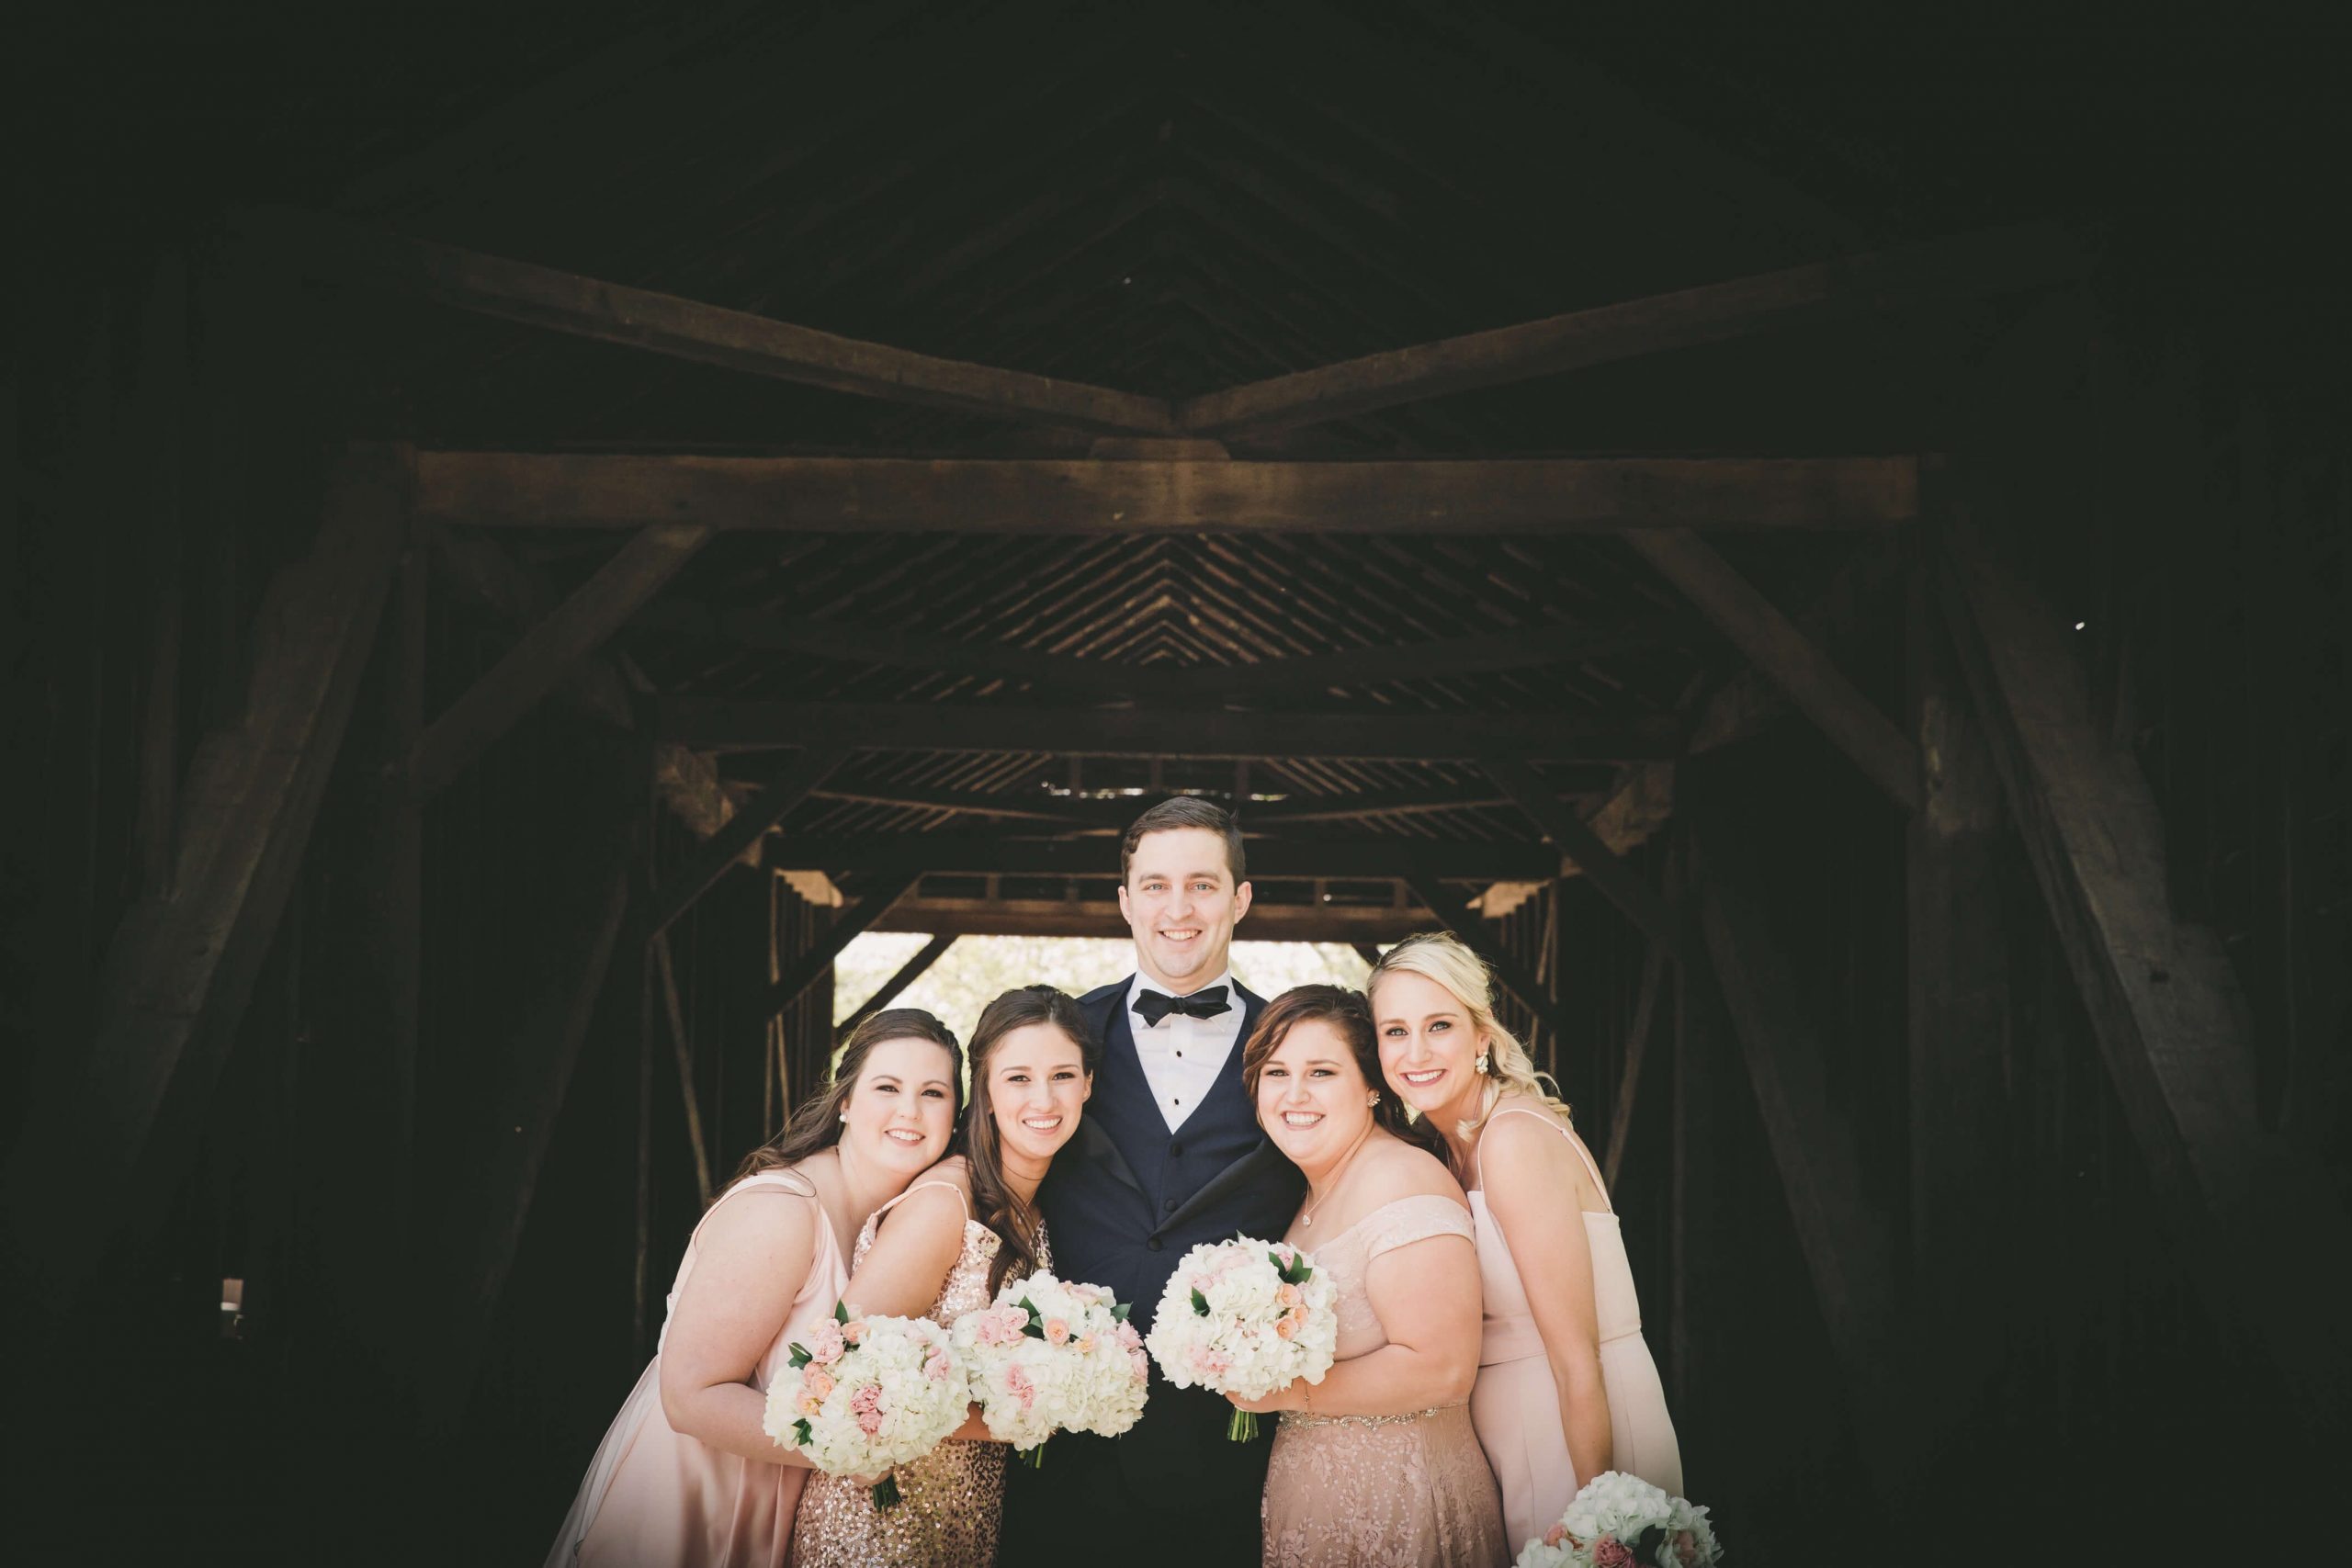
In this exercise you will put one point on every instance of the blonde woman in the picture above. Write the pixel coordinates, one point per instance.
(1566, 1387)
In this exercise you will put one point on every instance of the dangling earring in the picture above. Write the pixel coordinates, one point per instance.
(1481, 1064)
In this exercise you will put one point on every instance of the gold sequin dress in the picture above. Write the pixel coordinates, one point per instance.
(1409, 1491)
(951, 1500)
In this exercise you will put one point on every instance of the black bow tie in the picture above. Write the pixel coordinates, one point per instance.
(1200, 1004)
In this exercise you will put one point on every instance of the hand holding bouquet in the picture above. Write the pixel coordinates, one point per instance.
(1051, 1357)
(866, 1393)
(1622, 1521)
(1244, 1318)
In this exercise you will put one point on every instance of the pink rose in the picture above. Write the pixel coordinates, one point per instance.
(1611, 1552)
(1017, 1383)
(1140, 1362)
(818, 1381)
(809, 1403)
(1686, 1548)
(867, 1403)
(854, 1331)
(1286, 1326)
(1085, 1346)
(1288, 1295)
(1212, 1361)
(1056, 1331)
(935, 1365)
(1555, 1535)
(1128, 1337)
(825, 1342)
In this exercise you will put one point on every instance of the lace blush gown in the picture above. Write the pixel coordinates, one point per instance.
(952, 1499)
(1516, 1405)
(655, 1498)
(1409, 1491)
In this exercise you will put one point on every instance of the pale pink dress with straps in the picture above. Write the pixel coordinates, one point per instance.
(656, 1498)
(1516, 1405)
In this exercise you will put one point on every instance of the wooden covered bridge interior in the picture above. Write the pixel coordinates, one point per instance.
(1827, 567)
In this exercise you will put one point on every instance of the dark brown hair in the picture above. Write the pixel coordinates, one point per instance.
(993, 1201)
(1185, 811)
(818, 1123)
(1348, 1012)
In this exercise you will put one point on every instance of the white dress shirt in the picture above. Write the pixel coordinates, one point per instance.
(1181, 1055)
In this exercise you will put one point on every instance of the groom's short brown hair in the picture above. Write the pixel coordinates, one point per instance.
(1185, 811)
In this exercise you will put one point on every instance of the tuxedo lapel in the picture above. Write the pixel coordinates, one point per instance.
(1094, 1141)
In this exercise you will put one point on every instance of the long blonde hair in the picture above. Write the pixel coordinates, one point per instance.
(1446, 960)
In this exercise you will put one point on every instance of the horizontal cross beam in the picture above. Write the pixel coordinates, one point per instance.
(987, 853)
(1002, 495)
(1098, 918)
(734, 724)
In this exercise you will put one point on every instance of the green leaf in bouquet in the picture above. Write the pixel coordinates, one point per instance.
(1119, 1312)
(1200, 1301)
(1035, 1327)
(801, 1427)
(841, 1312)
(800, 1356)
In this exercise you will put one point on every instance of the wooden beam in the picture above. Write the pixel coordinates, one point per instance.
(907, 973)
(1008, 495)
(181, 964)
(580, 942)
(1847, 1241)
(681, 1051)
(1965, 266)
(1772, 643)
(1629, 1082)
(1454, 913)
(1101, 917)
(845, 928)
(1075, 815)
(1522, 649)
(786, 788)
(981, 854)
(547, 651)
(2162, 998)
(1617, 881)
(706, 334)
(1743, 705)
(731, 724)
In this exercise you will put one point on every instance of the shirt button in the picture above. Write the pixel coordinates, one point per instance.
(1153, 1243)
(1175, 1151)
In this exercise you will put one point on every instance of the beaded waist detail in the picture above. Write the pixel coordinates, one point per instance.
(1308, 1419)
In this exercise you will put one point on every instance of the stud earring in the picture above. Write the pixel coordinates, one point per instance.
(1374, 1098)
(1481, 1063)
(845, 1114)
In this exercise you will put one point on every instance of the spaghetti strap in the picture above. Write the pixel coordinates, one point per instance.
(1556, 1125)
(949, 1185)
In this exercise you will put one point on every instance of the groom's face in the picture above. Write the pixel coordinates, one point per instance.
(1182, 903)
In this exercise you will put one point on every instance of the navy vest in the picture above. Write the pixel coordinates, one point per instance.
(1128, 1197)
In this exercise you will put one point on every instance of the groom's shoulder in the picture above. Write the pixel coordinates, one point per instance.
(1102, 995)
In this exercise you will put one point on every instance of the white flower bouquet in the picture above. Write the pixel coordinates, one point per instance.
(866, 1393)
(1622, 1521)
(1049, 1357)
(1245, 1317)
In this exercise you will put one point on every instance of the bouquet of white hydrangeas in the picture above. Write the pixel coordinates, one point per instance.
(1245, 1317)
(1049, 1357)
(1622, 1521)
(866, 1393)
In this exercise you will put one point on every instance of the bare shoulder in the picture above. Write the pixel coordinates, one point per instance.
(937, 1204)
(1531, 1154)
(1399, 1171)
(769, 1220)
(954, 1171)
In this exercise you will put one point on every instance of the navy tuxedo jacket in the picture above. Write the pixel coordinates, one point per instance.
(1125, 1201)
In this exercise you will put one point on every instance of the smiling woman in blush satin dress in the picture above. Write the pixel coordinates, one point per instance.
(686, 1477)
(1566, 1388)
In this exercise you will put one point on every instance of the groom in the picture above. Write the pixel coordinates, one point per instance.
(1168, 1154)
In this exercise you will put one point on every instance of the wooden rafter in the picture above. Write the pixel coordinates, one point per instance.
(1788, 658)
(709, 334)
(2160, 993)
(1618, 882)
(926, 956)
(1962, 267)
(1132, 496)
(847, 924)
(181, 964)
(682, 1053)
(786, 787)
(1454, 913)
(549, 651)
(727, 724)
(1101, 917)
(983, 853)
(1522, 649)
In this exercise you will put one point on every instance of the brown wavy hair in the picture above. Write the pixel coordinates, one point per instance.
(994, 1202)
(817, 1124)
(1348, 1012)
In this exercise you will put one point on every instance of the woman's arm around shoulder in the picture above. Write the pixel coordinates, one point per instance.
(915, 1243)
(753, 1255)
